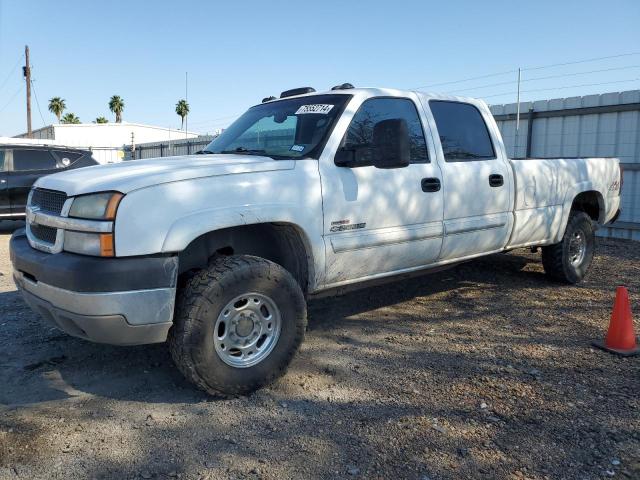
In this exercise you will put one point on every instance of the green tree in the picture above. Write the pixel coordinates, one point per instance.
(70, 118)
(182, 109)
(57, 106)
(101, 120)
(116, 105)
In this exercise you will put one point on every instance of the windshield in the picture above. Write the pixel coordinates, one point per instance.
(284, 129)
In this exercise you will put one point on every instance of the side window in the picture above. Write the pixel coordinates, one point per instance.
(65, 158)
(360, 131)
(1, 160)
(463, 134)
(33, 160)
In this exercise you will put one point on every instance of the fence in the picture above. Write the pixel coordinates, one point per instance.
(606, 125)
(168, 149)
(188, 147)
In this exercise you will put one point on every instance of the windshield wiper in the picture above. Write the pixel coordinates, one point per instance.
(249, 151)
(203, 152)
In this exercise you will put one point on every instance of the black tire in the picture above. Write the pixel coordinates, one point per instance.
(557, 258)
(201, 301)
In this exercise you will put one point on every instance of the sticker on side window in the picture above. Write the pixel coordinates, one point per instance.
(317, 108)
(297, 148)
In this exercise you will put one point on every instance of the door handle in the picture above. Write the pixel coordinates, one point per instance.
(430, 184)
(496, 180)
(3, 180)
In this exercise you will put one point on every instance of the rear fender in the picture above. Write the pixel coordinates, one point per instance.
(573, 192)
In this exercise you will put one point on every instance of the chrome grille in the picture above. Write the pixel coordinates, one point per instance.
(50, 201)
(44, 234)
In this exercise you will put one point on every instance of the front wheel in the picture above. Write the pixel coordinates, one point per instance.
(238, 324)
(569, 260)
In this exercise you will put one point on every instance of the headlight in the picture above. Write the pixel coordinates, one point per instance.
(97, 206)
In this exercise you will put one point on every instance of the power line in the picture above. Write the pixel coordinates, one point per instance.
(546, 78)
(552, 65)
(12, 98)
(37, 103)
(464, 79)
(11, 72)
(564, 87)
(583, 61)
(581, 73)
(585, 85)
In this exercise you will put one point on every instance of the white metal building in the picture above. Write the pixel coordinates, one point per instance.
(107, 140)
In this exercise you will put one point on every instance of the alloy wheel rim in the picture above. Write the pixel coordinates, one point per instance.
(247, 330)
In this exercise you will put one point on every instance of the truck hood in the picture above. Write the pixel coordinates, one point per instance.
(132, 175)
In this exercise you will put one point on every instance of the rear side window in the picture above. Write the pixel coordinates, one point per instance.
(33, 160)
(360, 132)
(65, 158)
(463, 134)
(1, 160)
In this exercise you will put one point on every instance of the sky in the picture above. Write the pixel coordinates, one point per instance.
(237, 52)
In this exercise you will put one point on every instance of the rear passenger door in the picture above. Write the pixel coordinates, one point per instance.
(27, 166)
(477, 181)
(5, 205)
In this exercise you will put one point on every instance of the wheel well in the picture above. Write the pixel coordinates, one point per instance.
(591, 203)
(281, 243)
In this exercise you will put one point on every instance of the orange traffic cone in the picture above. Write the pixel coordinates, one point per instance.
(620, 337)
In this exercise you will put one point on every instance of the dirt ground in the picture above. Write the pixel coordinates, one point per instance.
(481, 371)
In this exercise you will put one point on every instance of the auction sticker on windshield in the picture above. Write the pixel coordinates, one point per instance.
(317, 108)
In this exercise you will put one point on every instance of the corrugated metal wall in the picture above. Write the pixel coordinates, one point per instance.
(606, 125)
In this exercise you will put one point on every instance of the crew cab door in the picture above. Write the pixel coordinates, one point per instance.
(477, 179)
(5, 204)
(27, 166)
(376, 220)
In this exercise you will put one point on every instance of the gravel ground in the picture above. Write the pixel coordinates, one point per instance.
(481, 371)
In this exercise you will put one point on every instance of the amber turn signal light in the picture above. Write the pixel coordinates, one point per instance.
(112, 206)
(107, 248)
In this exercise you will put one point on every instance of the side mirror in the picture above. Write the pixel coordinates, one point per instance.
(391, 144)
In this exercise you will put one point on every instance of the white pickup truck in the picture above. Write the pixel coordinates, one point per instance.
(217, 252)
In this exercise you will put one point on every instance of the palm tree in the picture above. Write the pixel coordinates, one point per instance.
(57, 106)
(70, 118)
(182, 109)
(116, 105)
(101, 120)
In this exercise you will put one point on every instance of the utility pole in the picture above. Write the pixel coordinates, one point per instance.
(26, 70)
(515, 148)
(186, 99)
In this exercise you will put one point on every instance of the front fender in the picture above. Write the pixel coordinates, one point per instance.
(186, 229)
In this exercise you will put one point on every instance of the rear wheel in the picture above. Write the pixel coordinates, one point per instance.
(569, 260)
(238, 324)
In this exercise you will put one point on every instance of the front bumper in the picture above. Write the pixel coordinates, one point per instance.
(126, 301)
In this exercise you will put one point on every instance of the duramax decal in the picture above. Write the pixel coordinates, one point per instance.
(344, 225)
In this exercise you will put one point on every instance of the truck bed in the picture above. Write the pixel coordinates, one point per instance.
(544, 191)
